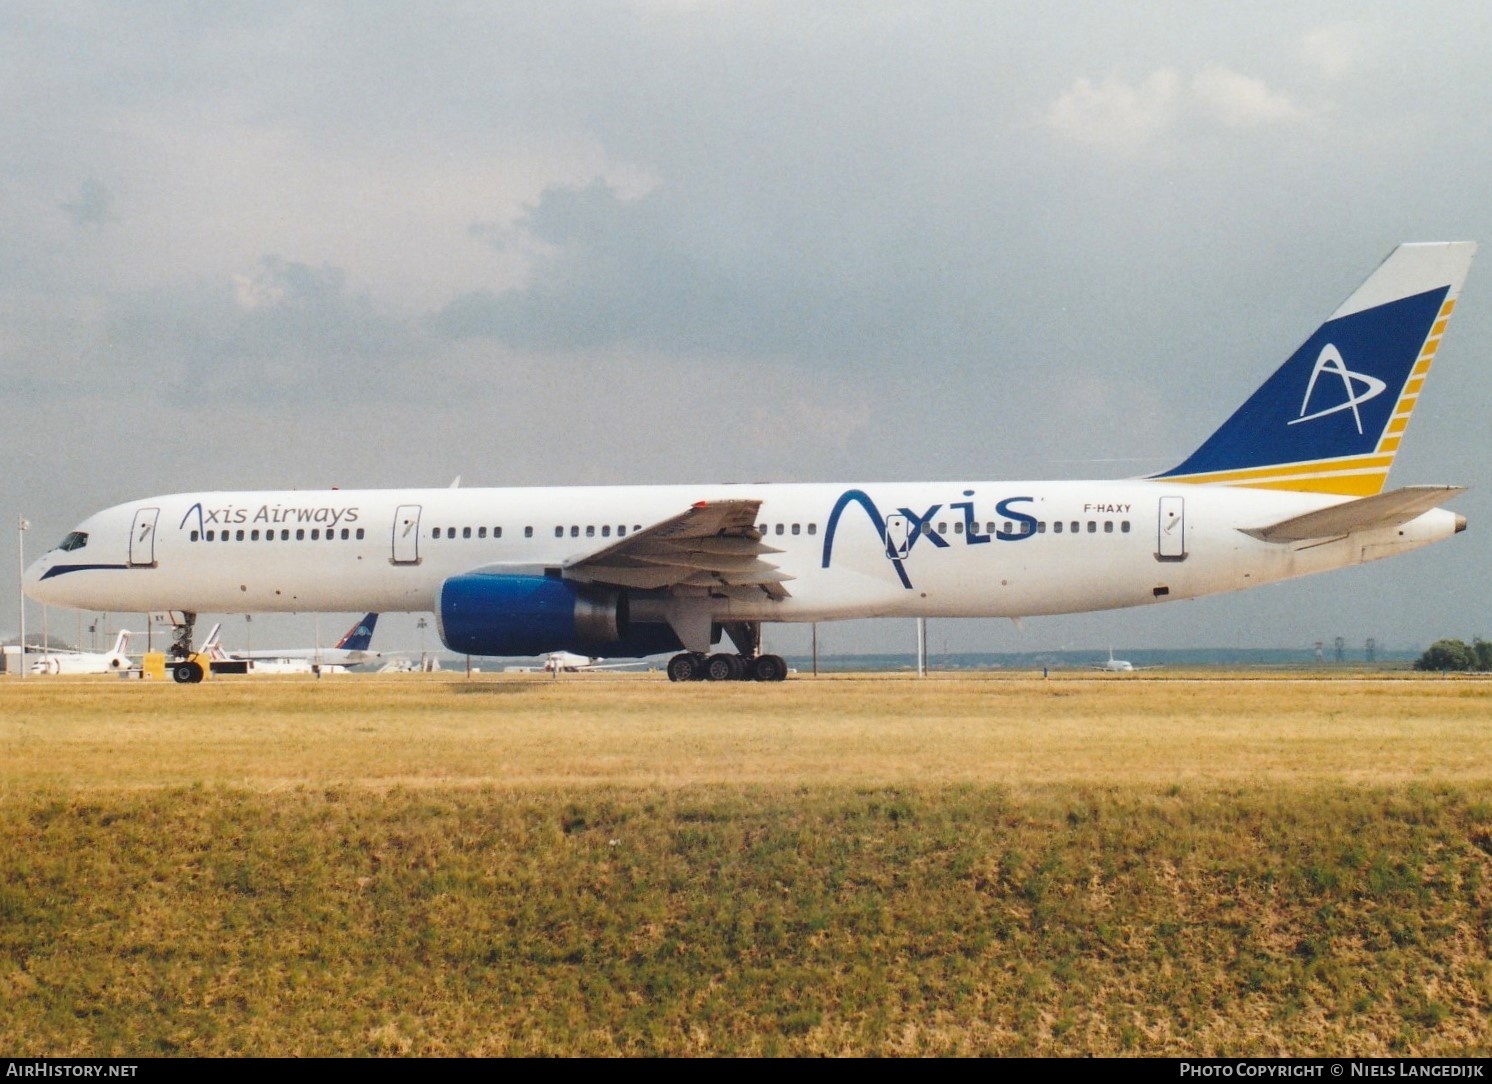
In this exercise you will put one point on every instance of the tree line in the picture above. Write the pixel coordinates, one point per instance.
(1456, 655)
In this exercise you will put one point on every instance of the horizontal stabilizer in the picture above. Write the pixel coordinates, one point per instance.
(1383, 510)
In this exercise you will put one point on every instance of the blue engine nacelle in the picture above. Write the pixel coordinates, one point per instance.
(497, 614)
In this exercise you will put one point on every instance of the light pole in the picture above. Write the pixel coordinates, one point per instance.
(22, 528)
(248, 633)
(420, 624)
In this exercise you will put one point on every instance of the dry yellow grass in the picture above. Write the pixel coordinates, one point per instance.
(611, 864)
(639, 730)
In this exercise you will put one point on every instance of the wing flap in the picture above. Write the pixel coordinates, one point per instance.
(1382, 510)
(712, 545)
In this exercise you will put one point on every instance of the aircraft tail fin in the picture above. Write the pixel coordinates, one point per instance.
(1331, 418)
(121, 642)
(360, 636)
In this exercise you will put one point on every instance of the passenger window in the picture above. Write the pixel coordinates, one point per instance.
(958, 528)
(813, 528)
(779, 528)
(528, 532)
(497, 532)
(942, 528)
(300, 534)
(1092, 527)
(1108, 526)
(1009, 527)
(1075, 526)
(1041, 526)
(795, 528)
(359, 534)
(559, 532)
(194, 536)
(315, 534)
(590, 531)
(1124, 526)
(1057, 527)
(465, 532)
(254, 536)
(481, 532)
(605, 530)
(346, 534)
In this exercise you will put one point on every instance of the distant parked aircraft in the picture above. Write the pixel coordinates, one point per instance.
(53, 661)
(1120, 666)
(567, 662)
(351, 650)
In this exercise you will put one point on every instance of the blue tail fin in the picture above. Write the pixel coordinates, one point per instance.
(1330, 419)
(360, 635)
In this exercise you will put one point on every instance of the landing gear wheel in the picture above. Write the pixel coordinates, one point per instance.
(684, 667)
(769, 668)
(724, 667)
(186, 673)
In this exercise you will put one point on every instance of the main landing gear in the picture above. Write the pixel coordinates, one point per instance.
(696, 666)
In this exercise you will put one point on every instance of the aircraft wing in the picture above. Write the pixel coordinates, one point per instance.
(1383, 510)
(715, 545)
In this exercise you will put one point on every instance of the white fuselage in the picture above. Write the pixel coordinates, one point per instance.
(951, 549)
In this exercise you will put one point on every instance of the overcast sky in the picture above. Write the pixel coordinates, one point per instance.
(263, 245)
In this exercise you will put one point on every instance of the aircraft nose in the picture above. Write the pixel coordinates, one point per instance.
(34, 577)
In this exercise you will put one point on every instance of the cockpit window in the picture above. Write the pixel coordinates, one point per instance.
(75, 541)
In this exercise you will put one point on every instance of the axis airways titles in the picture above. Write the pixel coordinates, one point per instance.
(270, 514)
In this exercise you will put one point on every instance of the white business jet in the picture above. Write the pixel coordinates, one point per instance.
(52, 661)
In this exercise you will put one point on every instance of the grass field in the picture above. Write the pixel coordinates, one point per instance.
(610, 864)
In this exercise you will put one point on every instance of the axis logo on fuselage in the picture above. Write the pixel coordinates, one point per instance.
(899, 532)
(1330, 361)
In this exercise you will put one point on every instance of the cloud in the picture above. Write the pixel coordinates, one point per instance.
(1334, 51)
(1114, 114)
(92, 206)
(1127, 117)
(1238, 101)
(286, 331)
(674, 273)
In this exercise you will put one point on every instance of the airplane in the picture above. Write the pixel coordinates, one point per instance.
(351, 650)
(1120, 666)
(1291, 484)
(53, 661)
(567, 662)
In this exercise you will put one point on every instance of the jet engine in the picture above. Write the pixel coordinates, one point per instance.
(502, 614)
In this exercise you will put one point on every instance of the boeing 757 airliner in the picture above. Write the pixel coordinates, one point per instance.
(1292, 483)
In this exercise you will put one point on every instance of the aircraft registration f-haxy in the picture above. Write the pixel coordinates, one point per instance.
(1291, 484)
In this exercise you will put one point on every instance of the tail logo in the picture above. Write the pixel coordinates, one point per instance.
(1330, 361)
